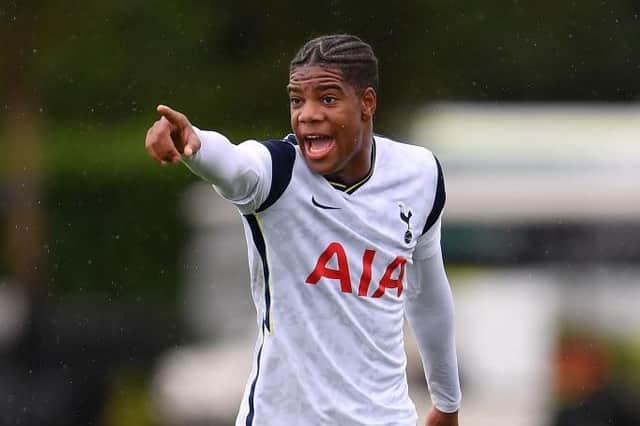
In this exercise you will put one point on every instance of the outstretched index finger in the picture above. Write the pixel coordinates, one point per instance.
(176, 118)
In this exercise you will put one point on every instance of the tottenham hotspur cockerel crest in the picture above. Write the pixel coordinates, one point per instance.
(405, 216)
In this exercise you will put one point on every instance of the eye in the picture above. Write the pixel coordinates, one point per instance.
(329, 99)
(294, 101)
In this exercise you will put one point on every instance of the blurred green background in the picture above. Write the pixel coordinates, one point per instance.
(80, 81)
(91, 227)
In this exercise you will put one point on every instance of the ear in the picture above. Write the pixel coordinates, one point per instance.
(368, 103)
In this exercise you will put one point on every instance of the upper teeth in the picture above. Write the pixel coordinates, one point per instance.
(313, 137)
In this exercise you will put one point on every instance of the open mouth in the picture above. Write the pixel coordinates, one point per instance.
(317, 146)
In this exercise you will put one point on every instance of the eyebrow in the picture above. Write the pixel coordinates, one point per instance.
(319, 87)
(329, 86)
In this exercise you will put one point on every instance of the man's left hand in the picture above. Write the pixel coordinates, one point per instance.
(438, 418)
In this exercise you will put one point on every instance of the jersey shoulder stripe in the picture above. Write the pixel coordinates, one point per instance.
(438, 202)
(283, 156)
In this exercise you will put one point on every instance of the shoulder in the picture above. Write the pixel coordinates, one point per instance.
(280, 148)
(419, 165)
(283, 156)
(411, 158)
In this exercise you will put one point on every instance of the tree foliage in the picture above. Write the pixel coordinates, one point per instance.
(226, 61)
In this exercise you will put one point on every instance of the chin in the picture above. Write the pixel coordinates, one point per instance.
(320, 167)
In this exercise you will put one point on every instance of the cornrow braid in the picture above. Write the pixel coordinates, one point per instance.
(352, 56)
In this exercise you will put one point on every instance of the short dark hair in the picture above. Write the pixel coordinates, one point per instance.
(347, 53)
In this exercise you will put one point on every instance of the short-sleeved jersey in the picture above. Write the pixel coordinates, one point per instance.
(328, 279)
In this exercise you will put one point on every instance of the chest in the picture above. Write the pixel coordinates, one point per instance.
(356, 243)
(386, 215)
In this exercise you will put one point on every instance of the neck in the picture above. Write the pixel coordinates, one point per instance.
(359, 166)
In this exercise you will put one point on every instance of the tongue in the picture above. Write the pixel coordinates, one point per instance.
(319, 145)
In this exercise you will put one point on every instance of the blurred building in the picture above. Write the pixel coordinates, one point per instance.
(543, 215)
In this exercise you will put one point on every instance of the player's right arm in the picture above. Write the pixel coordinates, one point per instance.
(240, 173)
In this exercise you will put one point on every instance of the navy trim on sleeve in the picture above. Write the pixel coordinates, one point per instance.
(438, 202)
(283, 155)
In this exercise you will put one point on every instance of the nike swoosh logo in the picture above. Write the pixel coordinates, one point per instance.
(322, 206)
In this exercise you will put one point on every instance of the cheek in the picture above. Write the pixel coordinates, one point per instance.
(350, 125)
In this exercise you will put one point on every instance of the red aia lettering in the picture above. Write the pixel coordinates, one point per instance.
(321, 270)
(387, 281)
(342, 273)
(365, 279)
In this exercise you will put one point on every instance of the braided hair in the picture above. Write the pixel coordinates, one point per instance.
(347, 53)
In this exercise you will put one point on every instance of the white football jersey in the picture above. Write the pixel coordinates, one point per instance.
(328, 280)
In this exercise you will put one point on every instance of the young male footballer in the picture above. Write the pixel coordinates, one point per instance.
(343, 234)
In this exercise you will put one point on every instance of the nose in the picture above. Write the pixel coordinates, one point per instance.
(310, 112)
